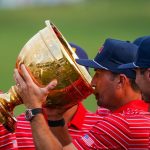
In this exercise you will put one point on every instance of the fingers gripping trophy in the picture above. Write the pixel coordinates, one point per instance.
(47, 56)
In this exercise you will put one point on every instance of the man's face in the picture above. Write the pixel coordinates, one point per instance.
(105, 89)
(143, 81)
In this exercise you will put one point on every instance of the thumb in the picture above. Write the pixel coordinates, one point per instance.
(51, 85)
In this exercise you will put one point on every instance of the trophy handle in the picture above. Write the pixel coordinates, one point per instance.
(8, 101)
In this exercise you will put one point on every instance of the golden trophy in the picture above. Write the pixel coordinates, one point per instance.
(47, 56)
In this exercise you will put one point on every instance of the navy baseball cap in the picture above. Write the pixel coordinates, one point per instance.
(139, 40)
(142, 59)
(111, 55)
(80, 52)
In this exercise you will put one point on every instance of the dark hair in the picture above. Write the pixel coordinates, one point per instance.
(133, 84)
(143, 70)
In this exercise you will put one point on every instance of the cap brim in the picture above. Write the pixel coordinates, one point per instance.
(90, 63)
(128, 66)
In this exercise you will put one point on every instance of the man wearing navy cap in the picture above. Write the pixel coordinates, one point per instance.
(120, 88)
(125, 130)
(141, 65)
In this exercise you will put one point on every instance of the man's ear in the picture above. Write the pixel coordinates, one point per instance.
(148, 74)
(122, 80)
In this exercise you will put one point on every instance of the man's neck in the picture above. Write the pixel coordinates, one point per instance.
(127, 98)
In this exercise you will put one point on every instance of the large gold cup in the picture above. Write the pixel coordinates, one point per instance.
(47, 56)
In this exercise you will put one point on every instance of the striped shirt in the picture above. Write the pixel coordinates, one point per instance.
(81, 123)
(129, 130)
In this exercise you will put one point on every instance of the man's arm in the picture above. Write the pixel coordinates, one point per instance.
(33, 96)
(63, 136)
(43, 138)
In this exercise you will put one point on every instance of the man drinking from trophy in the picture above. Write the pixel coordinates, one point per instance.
(126, 128)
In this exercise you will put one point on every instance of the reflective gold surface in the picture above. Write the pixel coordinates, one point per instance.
(7, 103)
(48, 56)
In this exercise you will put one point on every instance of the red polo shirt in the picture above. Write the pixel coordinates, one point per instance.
(128, 129)
(81, 123)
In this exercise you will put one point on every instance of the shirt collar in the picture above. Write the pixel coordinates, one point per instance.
(134, 104)
(78, 118)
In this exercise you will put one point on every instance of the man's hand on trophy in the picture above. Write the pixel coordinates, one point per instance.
(32, 95)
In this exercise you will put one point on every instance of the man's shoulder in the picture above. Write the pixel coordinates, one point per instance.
(21, 117)
(22, 123)
(126, 119)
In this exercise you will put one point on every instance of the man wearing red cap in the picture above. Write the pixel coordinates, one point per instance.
(128, 129)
